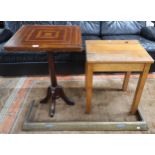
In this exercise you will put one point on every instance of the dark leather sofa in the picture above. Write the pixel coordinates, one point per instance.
(25, 63)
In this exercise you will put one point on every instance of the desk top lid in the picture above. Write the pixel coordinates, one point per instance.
(116, 51)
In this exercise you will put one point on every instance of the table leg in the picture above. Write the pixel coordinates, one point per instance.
(54, 91)
(126, 81)
(52, 105)
(45, 100)
(89, 81)
(139, 89)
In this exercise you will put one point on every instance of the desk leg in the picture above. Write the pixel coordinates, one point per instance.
(89, 81)
(139, 89)
(54, 91)
(126, 81)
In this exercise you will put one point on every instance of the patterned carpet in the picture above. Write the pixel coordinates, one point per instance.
(16, 94)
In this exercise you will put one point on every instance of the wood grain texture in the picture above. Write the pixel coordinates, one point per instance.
(126, 81)
(89, 83)
(46, 38)
(116, 51)
(139, 89)
(117, 56)
(117, 67)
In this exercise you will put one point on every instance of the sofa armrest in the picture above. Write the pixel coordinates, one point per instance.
(148, 32)
(153, 23)
(5, 35)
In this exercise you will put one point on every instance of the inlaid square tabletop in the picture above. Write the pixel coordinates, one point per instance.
(116, 51)
(45, 38)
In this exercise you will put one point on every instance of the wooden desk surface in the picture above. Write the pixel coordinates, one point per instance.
(116, 51)
(45, 38)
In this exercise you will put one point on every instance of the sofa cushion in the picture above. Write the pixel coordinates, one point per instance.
(27, 57)
(121, 27)
(148, 32)
(87, 27)
(147, 44)
(5, 35)
(1, 30)
(15, 25)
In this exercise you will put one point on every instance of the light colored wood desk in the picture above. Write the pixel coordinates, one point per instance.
(117, 56)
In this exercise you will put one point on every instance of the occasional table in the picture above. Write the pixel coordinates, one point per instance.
(117, 56)
(48, 39)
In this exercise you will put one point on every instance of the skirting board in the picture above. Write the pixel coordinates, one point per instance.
(29, 125)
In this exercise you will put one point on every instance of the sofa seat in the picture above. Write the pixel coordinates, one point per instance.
(147, 44)
(18, 57)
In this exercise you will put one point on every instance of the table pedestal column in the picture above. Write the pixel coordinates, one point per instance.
(54, 91)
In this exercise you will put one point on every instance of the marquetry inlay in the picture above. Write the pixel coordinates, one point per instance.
(60, 38)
